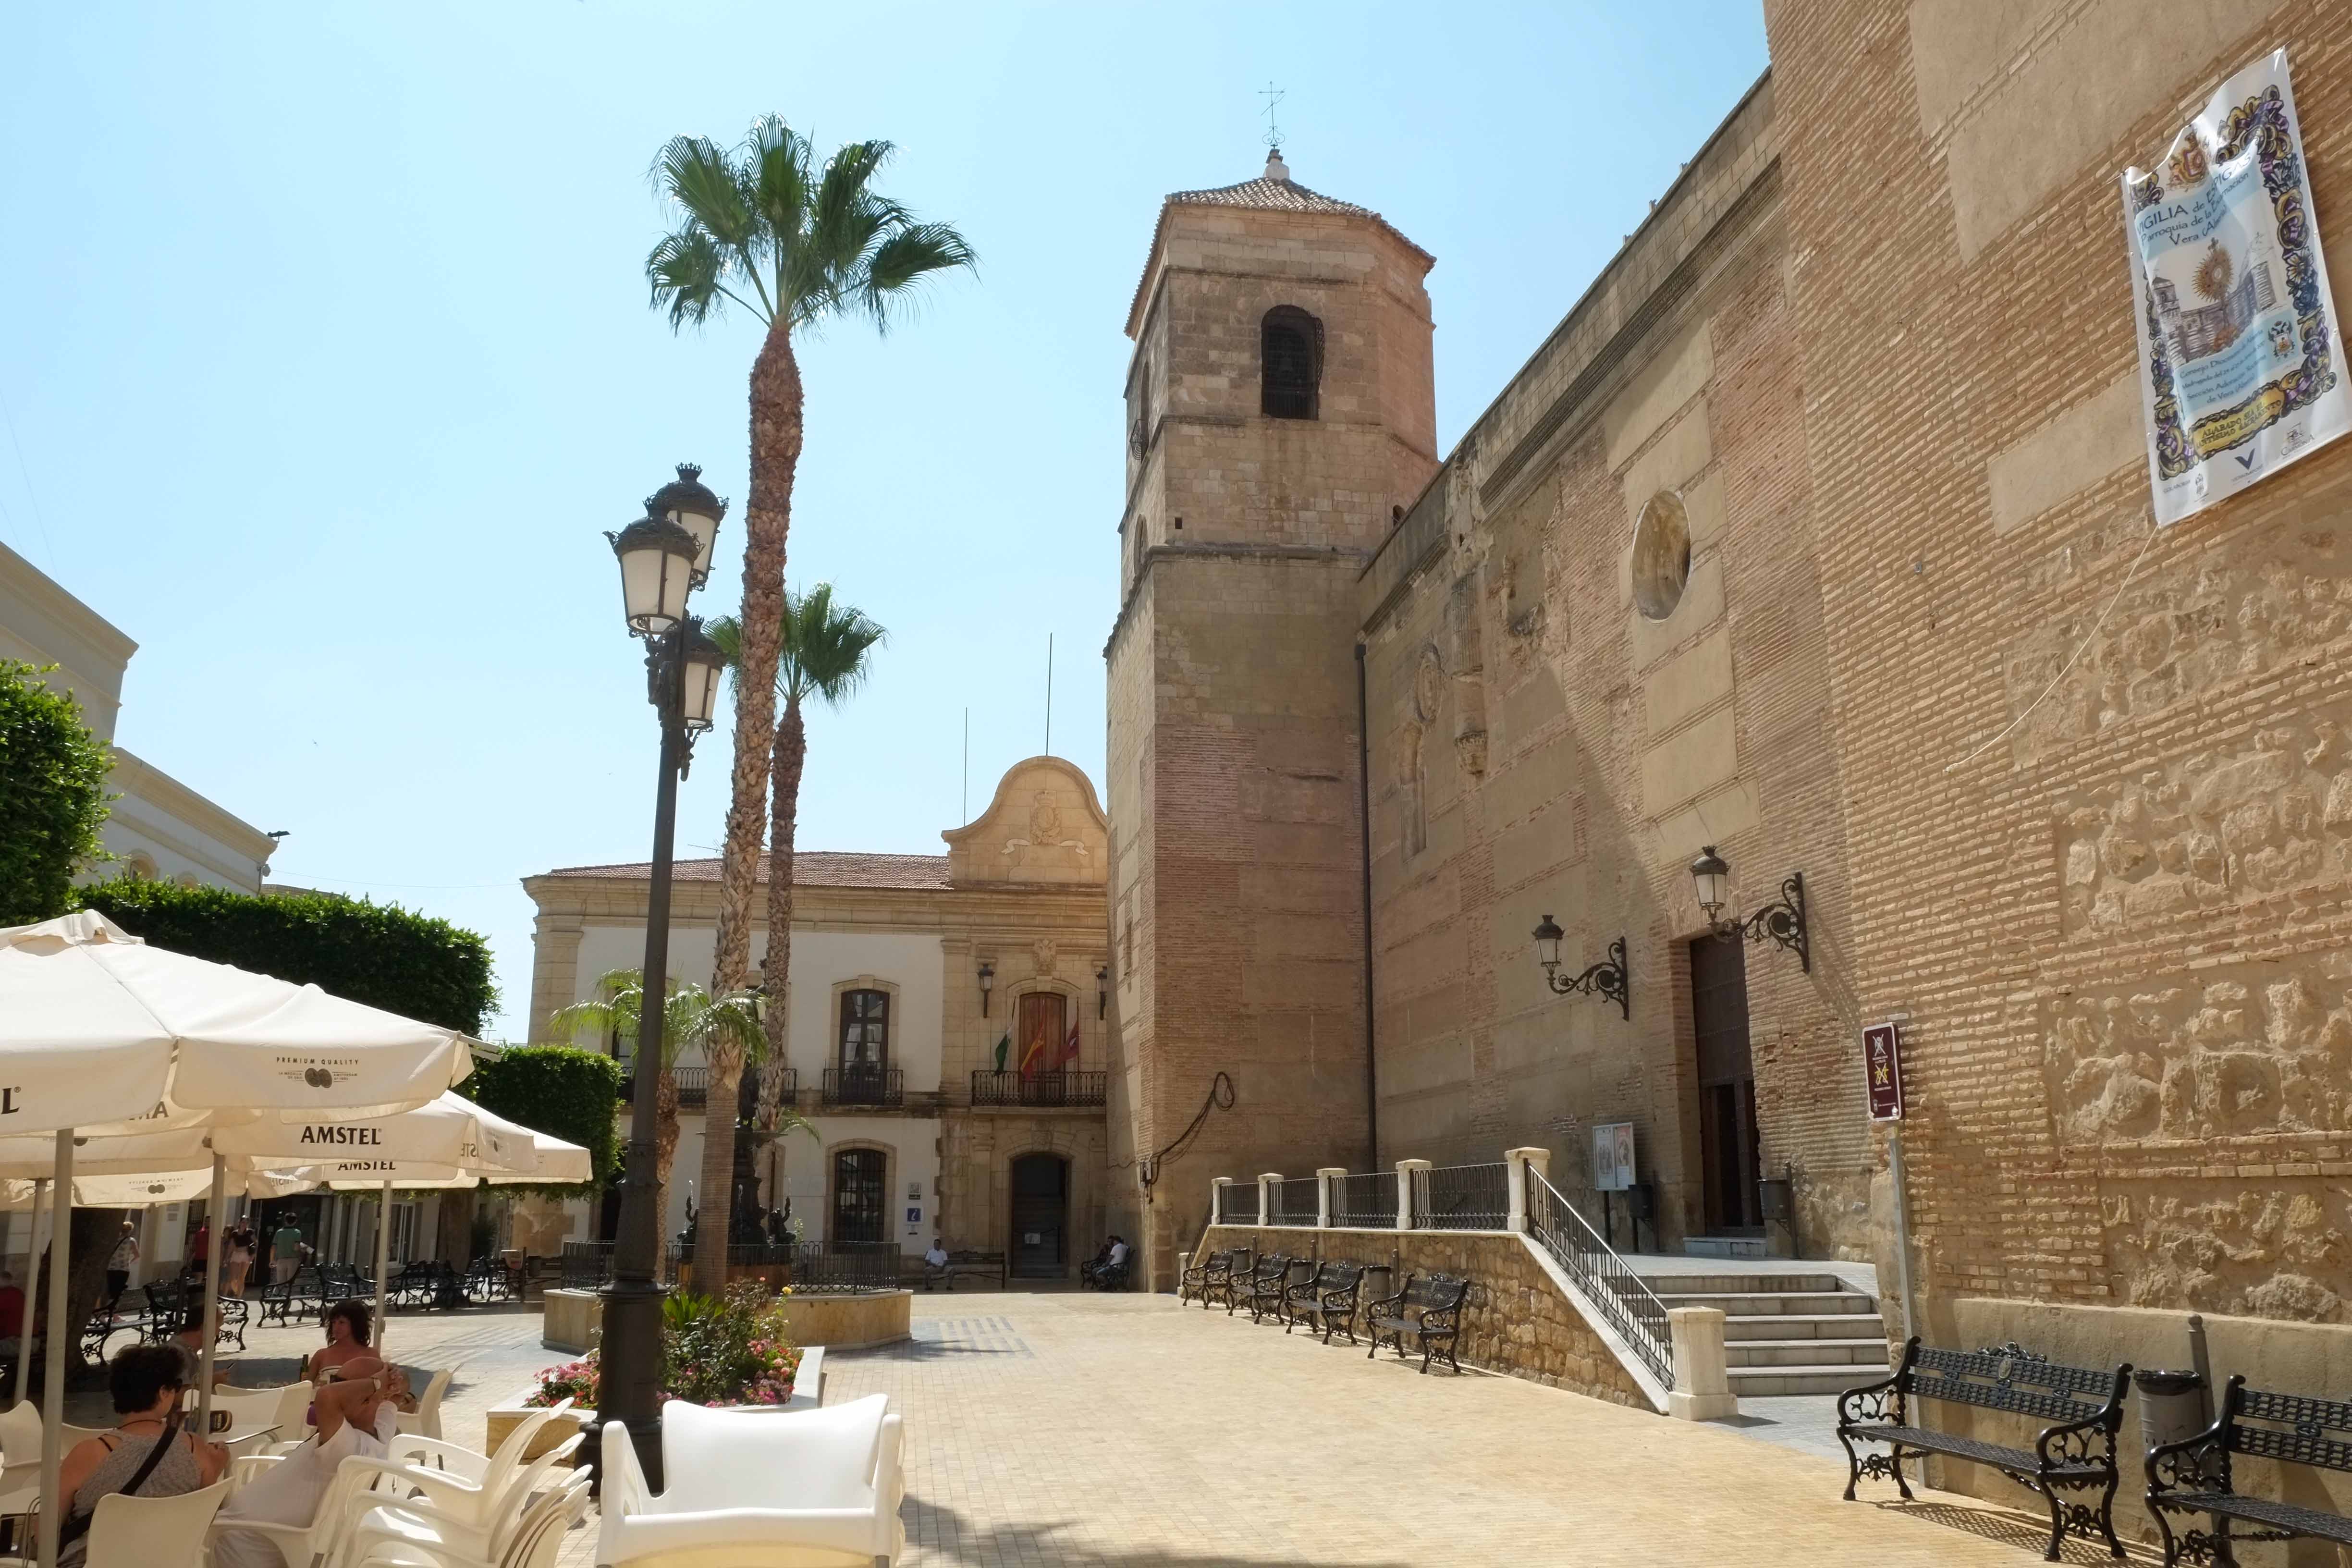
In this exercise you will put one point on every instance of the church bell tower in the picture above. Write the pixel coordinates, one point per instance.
(1280, 414)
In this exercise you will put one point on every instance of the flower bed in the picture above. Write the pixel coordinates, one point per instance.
(734, 1350)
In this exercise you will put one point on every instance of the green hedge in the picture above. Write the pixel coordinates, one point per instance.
(381, 954)
(566, 1093)
(52, 796)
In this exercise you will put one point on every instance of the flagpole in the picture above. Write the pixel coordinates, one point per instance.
(1049, 694)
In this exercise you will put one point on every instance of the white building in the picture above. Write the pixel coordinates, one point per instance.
(159, 828)
(907, 972)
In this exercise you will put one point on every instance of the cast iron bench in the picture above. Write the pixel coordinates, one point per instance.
(2076, 1453)
(1268, 1277)
(965, 1260)
(1429, 1308)
(1327, 1297)
(1233, 1283)
(1213, 1273)
(2192, 1477)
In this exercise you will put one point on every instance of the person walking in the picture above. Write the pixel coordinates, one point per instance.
(121, 1261)
(241, 1243)
(285, 1251)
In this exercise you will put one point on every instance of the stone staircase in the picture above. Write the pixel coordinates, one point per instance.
(1787, 1333)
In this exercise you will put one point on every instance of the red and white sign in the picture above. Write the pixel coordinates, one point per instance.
(1882, 1060)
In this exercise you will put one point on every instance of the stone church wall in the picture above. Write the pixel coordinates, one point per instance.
(1543, 745)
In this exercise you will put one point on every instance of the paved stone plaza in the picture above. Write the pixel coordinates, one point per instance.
(1057, 1429)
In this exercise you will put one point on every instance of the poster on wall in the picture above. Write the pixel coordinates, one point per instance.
(2238, 347)
(1613, 1157)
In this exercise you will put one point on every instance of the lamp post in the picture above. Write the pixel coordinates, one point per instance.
(664, 556)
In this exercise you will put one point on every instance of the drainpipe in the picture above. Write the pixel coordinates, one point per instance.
(1364, 822)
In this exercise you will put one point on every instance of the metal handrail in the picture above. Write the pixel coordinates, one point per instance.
(1623, 1297)
(1233, 1208)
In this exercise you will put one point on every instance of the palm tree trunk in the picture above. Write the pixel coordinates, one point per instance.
(664, 1126)
(767, 521)
(776, 967)
(715, 1215)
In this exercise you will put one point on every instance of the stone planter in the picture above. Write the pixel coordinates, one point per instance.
(845, 1322)
(808, 1393)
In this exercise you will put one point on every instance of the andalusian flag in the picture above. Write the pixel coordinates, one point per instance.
(1004, 1049)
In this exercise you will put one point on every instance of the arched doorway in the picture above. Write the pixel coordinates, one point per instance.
(1040, 1217)
(860, 1190)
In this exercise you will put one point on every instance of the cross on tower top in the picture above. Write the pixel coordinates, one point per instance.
(1273, 95)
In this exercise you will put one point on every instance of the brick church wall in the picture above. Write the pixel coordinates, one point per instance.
(2118, 929)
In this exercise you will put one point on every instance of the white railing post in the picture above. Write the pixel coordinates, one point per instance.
(1702, 1390)
(1324, 1176)
(1269, 1183)
(1405, 1168)
(1217, 1186)
(1516, 1162)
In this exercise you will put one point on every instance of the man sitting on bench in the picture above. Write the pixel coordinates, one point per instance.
(1108, 1265)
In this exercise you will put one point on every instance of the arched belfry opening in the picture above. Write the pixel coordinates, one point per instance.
(1290, 356)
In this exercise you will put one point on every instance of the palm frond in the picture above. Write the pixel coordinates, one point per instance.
(685, 270)
(695, 172)
(826, 645)
(904, 263)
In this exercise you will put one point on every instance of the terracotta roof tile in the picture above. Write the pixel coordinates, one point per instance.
(1274, 191)
(810, 869)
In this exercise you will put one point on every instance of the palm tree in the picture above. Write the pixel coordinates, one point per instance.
(691, 1016)
(761, 229)
(822, 653)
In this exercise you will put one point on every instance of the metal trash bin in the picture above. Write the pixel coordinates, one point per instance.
(2171, 1405)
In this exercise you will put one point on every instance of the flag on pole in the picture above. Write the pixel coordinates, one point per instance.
(1070, 1049)
(1004, 1050)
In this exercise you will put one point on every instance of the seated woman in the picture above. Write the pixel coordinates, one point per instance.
(358, 1414)
(347, 1340)
(147, 1383)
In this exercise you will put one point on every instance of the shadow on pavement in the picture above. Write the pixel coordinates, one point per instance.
(947, 1534)
(2029, 1535)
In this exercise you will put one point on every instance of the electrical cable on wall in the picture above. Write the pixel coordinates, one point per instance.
(2087, 638)
(1220, 1098)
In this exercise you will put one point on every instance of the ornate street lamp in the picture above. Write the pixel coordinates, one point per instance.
(1607, 979)
(1102, 991)
(658, 555)
(687, 502)
(1782, 921)
(987, 984)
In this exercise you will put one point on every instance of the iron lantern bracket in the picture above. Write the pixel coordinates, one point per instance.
(1781, 922)
(1606, 979)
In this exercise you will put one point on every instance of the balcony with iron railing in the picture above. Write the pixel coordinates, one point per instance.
(693, 1085)
(881, 1088)
(1063, 1089)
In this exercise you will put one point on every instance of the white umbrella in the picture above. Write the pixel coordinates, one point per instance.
(532, 1156)
(98, 1031)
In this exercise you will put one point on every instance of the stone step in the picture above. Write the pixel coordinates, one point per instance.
(1758, 1303)
(1726, 1246)
(1804, 1325)
(1773, 1382)
(1737, 1284)
(1806, 1352)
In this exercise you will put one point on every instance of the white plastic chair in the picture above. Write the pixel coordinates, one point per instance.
(813, 1488)
(538, 1537)
(293, 1408)
(252, 1409)
(468, 1500)
(146, 1532)
(426, 1421)
(299, 1545)
(20, 1459)
(414, 1525)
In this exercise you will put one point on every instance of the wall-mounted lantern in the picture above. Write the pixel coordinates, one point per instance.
(1102, 991)
(1782, 919)
(987, 984)
(1606, 979)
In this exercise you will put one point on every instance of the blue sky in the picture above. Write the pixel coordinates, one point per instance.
(326, 361)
